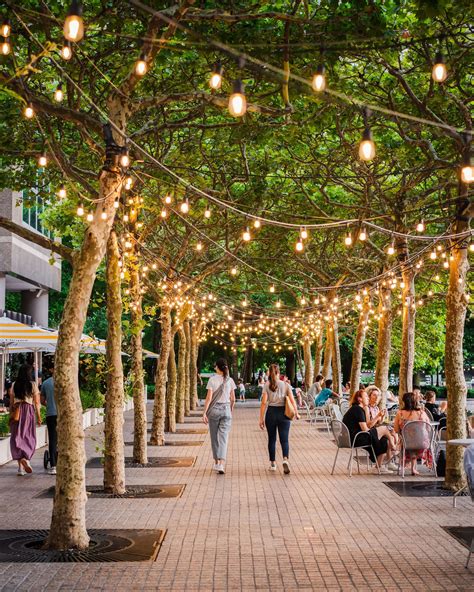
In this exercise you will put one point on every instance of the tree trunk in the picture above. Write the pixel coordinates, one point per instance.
(68, 522)
(308, 363)
(136, 371)
(171, 391)
(247, 365)
(159, 408)
(234, 363)
(290, 366)
(407, 356)
(328, 351)
(193, 365)
(318, 350)
(187, 376)
(456, 304)
(358, 348)
(114, 462)
(181, 376)
(384, 343)
(336, 358)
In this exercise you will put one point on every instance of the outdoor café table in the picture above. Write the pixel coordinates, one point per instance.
(465, 443)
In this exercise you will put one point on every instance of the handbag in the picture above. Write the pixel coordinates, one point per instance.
(289, 409)
(215, 396)
(15, 413)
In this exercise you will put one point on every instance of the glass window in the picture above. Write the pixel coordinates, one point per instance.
(33, 206)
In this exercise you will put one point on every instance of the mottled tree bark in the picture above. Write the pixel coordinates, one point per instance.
(308, 363)
(136, 373)
(358, 347)
(247, 365)
(327, 352)
(171, 391)
(456, 304)
(384, 343)
(159, 408)
(68, 522)
(407, 356)
(234, 364)
(336, 358)
(187, 376)
(290, 366)
(193, 365)
(318, 350)
(114, 462)
(180, 407)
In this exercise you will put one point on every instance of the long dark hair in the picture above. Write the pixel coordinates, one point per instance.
(24, 382)
(273, 376)
(410, 402)
(221, 363)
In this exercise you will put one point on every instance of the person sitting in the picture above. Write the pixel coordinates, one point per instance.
(241, 389)
(379, 437)
(392, 400)
(412, 412)
(325, 394)
(316, 387)
(376, 416)
(437, 411)
(346, 388)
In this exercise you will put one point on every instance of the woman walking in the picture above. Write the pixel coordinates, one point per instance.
(25, 400)
(218, 407)
(274, 396)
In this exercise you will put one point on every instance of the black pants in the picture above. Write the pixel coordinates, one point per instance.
(275, 419)
(52, 438)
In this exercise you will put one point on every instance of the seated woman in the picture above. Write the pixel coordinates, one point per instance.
(356, 421)
(437, 411)
(376, 416)
(412, 412)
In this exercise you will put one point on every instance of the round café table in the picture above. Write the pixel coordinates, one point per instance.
(465, 443)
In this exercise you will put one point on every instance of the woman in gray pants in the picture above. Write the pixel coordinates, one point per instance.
(220, 401)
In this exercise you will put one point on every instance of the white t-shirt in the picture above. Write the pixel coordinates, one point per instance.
(216, 381)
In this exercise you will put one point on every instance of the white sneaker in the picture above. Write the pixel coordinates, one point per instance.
(272, 467)
(215, 467)
(21, 472)
(286, 467)
(52, 471)
(391, 466)
(220, 469)
(382, 471)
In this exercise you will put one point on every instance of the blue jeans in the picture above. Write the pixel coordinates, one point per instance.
(275, 419)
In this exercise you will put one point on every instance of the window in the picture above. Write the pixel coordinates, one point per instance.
(33, 207)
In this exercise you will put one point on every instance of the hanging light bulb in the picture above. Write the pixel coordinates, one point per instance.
(199, 246)
(237, 100)
(319, 79)
(42, 160)
(420, 227)
(363, 234)
(124, 158)
(246, 235)
(439, 71)
(141, 67)
(128, 183)
(66, 50)
(391, 249)
(215, 81)
(6, 47)
(28, 111)
(90, 217)
(272, 289)
(367, 146)
(184, 207)
(207, 212)
(58, 94)
(278, 303)
(103, 214)
(299, 246)
(348, 239)
(303, 233)
(467, 170)
(164, 213)
(62, 192)
(80, 210)
(471, 247)
(233, 271)
(74, 25)
(303, 301)
(116, 204)
(257, 223)
(5, 28)
(125, 218)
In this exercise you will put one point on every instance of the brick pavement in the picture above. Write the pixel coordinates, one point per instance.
(253, 530)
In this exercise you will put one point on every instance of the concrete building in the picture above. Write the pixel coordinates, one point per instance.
(24, 266)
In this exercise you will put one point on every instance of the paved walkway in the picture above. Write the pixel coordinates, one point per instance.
(253, 530)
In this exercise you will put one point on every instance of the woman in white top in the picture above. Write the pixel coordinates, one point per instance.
(274, 394)
(218, 407)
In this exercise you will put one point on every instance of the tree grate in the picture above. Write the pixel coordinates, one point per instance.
(153, 462)
(111, 545)
(174, 443)
(420, 489)
(132, 492)
(182, 431)
(463, 534)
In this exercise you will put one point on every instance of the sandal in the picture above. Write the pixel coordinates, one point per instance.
(26, 465)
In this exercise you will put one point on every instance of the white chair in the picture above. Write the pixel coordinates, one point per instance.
(343, 440)
(417, 435)
(344, 406)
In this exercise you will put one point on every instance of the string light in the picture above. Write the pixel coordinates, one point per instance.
(207, 212)
(237, 100)
(215, 81)
(184, 207)
(5, 28)
(80, 210)
(420, 227)
(116, 204)
(303, 233)
(199, 246)
(66, 50)
(257, 223)
(439, 71)
(62, 192)
(103, 214)
(471, 247)
(391, 249)
(299, 246)
(168, 199)
(164, 213)
(6, 47)
(141, 67)
(233, 271)
(246, 235)
(367, 146)
(58, 94)
(28, 111)
(90, 217)
(363, 234)
(128, 184)
(125, 158)
(433, 255)
(272, 289)
(42, 160)
(348, 239)
(319, 79)
(467, 170)
(74, 25)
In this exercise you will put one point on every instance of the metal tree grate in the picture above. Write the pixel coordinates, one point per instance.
(153, 462)
(132, 492)
(174, 443)
(463, 534)
(419, 489)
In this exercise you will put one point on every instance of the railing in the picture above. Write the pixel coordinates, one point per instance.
(17, 316)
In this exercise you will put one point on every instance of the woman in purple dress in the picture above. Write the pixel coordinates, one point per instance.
(24, 402)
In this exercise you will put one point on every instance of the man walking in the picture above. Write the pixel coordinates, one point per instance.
(47, 399)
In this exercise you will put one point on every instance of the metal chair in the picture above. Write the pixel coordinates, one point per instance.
(417, 435)
(469, 470)
(429, 414)
(336, 412)
(344, 405)
(343, 440)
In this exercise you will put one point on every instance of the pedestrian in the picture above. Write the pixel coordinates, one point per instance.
(47, 399)
(24, 401)
(241, 388)
(272, 416)
(218, 408)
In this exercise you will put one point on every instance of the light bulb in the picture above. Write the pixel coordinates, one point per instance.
(299, 246)
(446, 264)
(467, 170)
(141, 67)
(6, 47)
(237, 100)
(28, 111)
(420, 227)
(164, 213)
(246, 235)
(199, 246)
(303, 234)
(103, 214)
(319, 79)
(367, 146)
(348, 239)
(363, 234)
(42, 160)
(116, 204)
(62, 192)
(125, 218)
(278, 304)
(80, 210)
(66, 50)
(303, 301)
(184, 207)
(439, 71)
(128, 182)
(124, 158)
(257, 223)
(74, 25)
(168, 199)
(471, 247)
(58, 94)
(215, 81)
(90, 217)
(5, 28)
(272, 289)
(391, 249)
(233, 271)
(207, 212)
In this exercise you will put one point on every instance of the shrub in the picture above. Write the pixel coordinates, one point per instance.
(92, 399)
(5, 424)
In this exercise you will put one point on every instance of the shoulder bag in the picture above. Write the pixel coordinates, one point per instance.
(15, 413)
(216, 395)
(289, 409)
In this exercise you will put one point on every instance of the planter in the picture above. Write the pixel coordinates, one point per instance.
(5, 455)
(41, 436)
(99, 414)
(87, 419)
